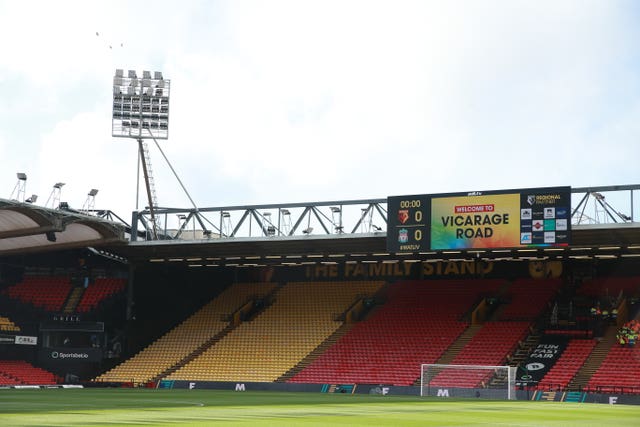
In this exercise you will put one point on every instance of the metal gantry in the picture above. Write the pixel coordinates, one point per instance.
(270, 221)
(341, 217)
(601, 210)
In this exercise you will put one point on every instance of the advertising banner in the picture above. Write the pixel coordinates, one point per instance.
(70, 355)
(541, 360)
(26, 340)
(475, 222)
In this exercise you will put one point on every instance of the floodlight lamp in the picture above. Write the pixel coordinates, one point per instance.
(58, 185)
(157, 75)
(21, 176)
(308, 230)
(182, 217)
(285, 212)
(225, 214)
(376, 228)
(32, 199)
(92, 192)
(335, 209)
(63, 205)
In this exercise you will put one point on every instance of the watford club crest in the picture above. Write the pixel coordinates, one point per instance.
(545, 269)
(403, 215)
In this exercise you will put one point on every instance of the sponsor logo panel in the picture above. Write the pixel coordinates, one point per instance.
(549, 237)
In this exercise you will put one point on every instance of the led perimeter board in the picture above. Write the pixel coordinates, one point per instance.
(534, 217)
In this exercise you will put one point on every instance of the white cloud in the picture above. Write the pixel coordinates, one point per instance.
(291, 101)
(81, 153)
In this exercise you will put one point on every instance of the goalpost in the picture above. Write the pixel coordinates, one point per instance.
(477, 381)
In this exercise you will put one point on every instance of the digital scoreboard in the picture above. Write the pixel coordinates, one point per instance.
(536, 217)
(408, 223)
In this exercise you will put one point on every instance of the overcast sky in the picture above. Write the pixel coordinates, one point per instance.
(290, 101)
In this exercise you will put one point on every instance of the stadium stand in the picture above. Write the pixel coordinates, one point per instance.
(492, 343)
(187, 337)
(567, 366)
(490, 346)
(6, 380)
(13, 372)
(98, 291)
(7, 325)
(46, 292)
(610, 286)
(529, 297)
(417, 323)
(302, 316)
(619, 372)
(471, 307)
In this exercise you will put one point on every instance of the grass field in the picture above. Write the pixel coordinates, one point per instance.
(144, 407)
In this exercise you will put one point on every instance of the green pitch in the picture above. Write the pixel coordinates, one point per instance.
(142, 407)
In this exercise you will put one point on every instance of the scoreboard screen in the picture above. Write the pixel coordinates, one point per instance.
(408, 223)
(537, 217)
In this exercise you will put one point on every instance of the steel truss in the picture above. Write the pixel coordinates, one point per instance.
(338, 217)
(269, 221)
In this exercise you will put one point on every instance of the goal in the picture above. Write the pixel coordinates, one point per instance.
(477, 381)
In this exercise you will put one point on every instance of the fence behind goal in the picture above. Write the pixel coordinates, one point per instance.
(473, 381)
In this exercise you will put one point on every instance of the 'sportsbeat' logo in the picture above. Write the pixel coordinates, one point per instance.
(60, 355)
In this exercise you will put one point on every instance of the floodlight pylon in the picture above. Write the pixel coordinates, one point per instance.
(54, 196)
(20, 188)
(141, 111)
(90, 202)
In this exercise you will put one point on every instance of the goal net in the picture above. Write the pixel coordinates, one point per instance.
(477, 381)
